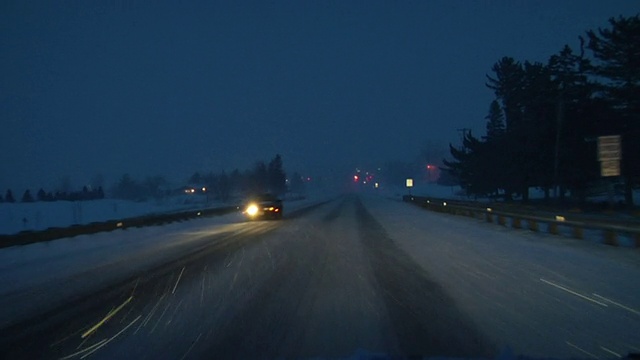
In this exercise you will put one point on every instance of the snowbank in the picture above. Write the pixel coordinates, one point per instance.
(18, 217)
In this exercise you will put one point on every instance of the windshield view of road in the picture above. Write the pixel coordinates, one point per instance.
(362, 179)
(356, 275)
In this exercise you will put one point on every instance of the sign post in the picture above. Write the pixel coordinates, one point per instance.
(609, 155)
(409, 184)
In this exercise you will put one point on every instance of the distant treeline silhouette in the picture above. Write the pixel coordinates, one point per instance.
(83, 195)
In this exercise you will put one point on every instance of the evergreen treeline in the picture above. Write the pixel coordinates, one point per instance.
(83, 195)
(262, 178)
(543, 125)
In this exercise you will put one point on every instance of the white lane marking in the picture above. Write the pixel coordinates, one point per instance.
(84, 350)
(617, 304)
(610, 351)
(235, 277)
(573, 292)
(111, 338)
(202, 288)
(582, 350)
(177, 281)
(227, 264)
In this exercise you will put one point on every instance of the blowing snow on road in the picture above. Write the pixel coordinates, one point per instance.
(356, 275)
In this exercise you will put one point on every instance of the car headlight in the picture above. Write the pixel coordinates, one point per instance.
(252, 210)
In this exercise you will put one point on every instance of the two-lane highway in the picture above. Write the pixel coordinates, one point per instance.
(355, 274)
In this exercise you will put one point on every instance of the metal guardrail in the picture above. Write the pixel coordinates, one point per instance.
(29, 237)
(610, 232)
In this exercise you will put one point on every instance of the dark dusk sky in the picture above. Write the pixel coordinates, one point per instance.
(173, 87)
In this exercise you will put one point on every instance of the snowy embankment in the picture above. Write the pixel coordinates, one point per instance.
(456, 192)
(35, 216)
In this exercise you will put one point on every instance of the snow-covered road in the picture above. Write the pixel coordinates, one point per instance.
(539, 294)
(360, 272)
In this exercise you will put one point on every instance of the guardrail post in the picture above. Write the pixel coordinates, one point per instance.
(533, 225)
(516, 223)
(610, 237)
(553, 228)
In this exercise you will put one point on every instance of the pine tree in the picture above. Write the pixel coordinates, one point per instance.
(42, 196)
(507, 85)
(495, 121)
(26, 197)
(8, 197)
(100, 194)
(276, 176)
(474, 166)
(258, 179)
(617, 51)
(578, 115)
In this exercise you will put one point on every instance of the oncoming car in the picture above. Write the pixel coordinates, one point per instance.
(264, 206)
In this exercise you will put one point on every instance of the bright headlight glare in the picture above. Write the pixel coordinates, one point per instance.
(252, 210)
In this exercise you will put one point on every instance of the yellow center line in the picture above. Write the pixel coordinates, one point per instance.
(106, 318)
(106, 341)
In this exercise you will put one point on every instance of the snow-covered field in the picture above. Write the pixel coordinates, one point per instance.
(18, 217)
